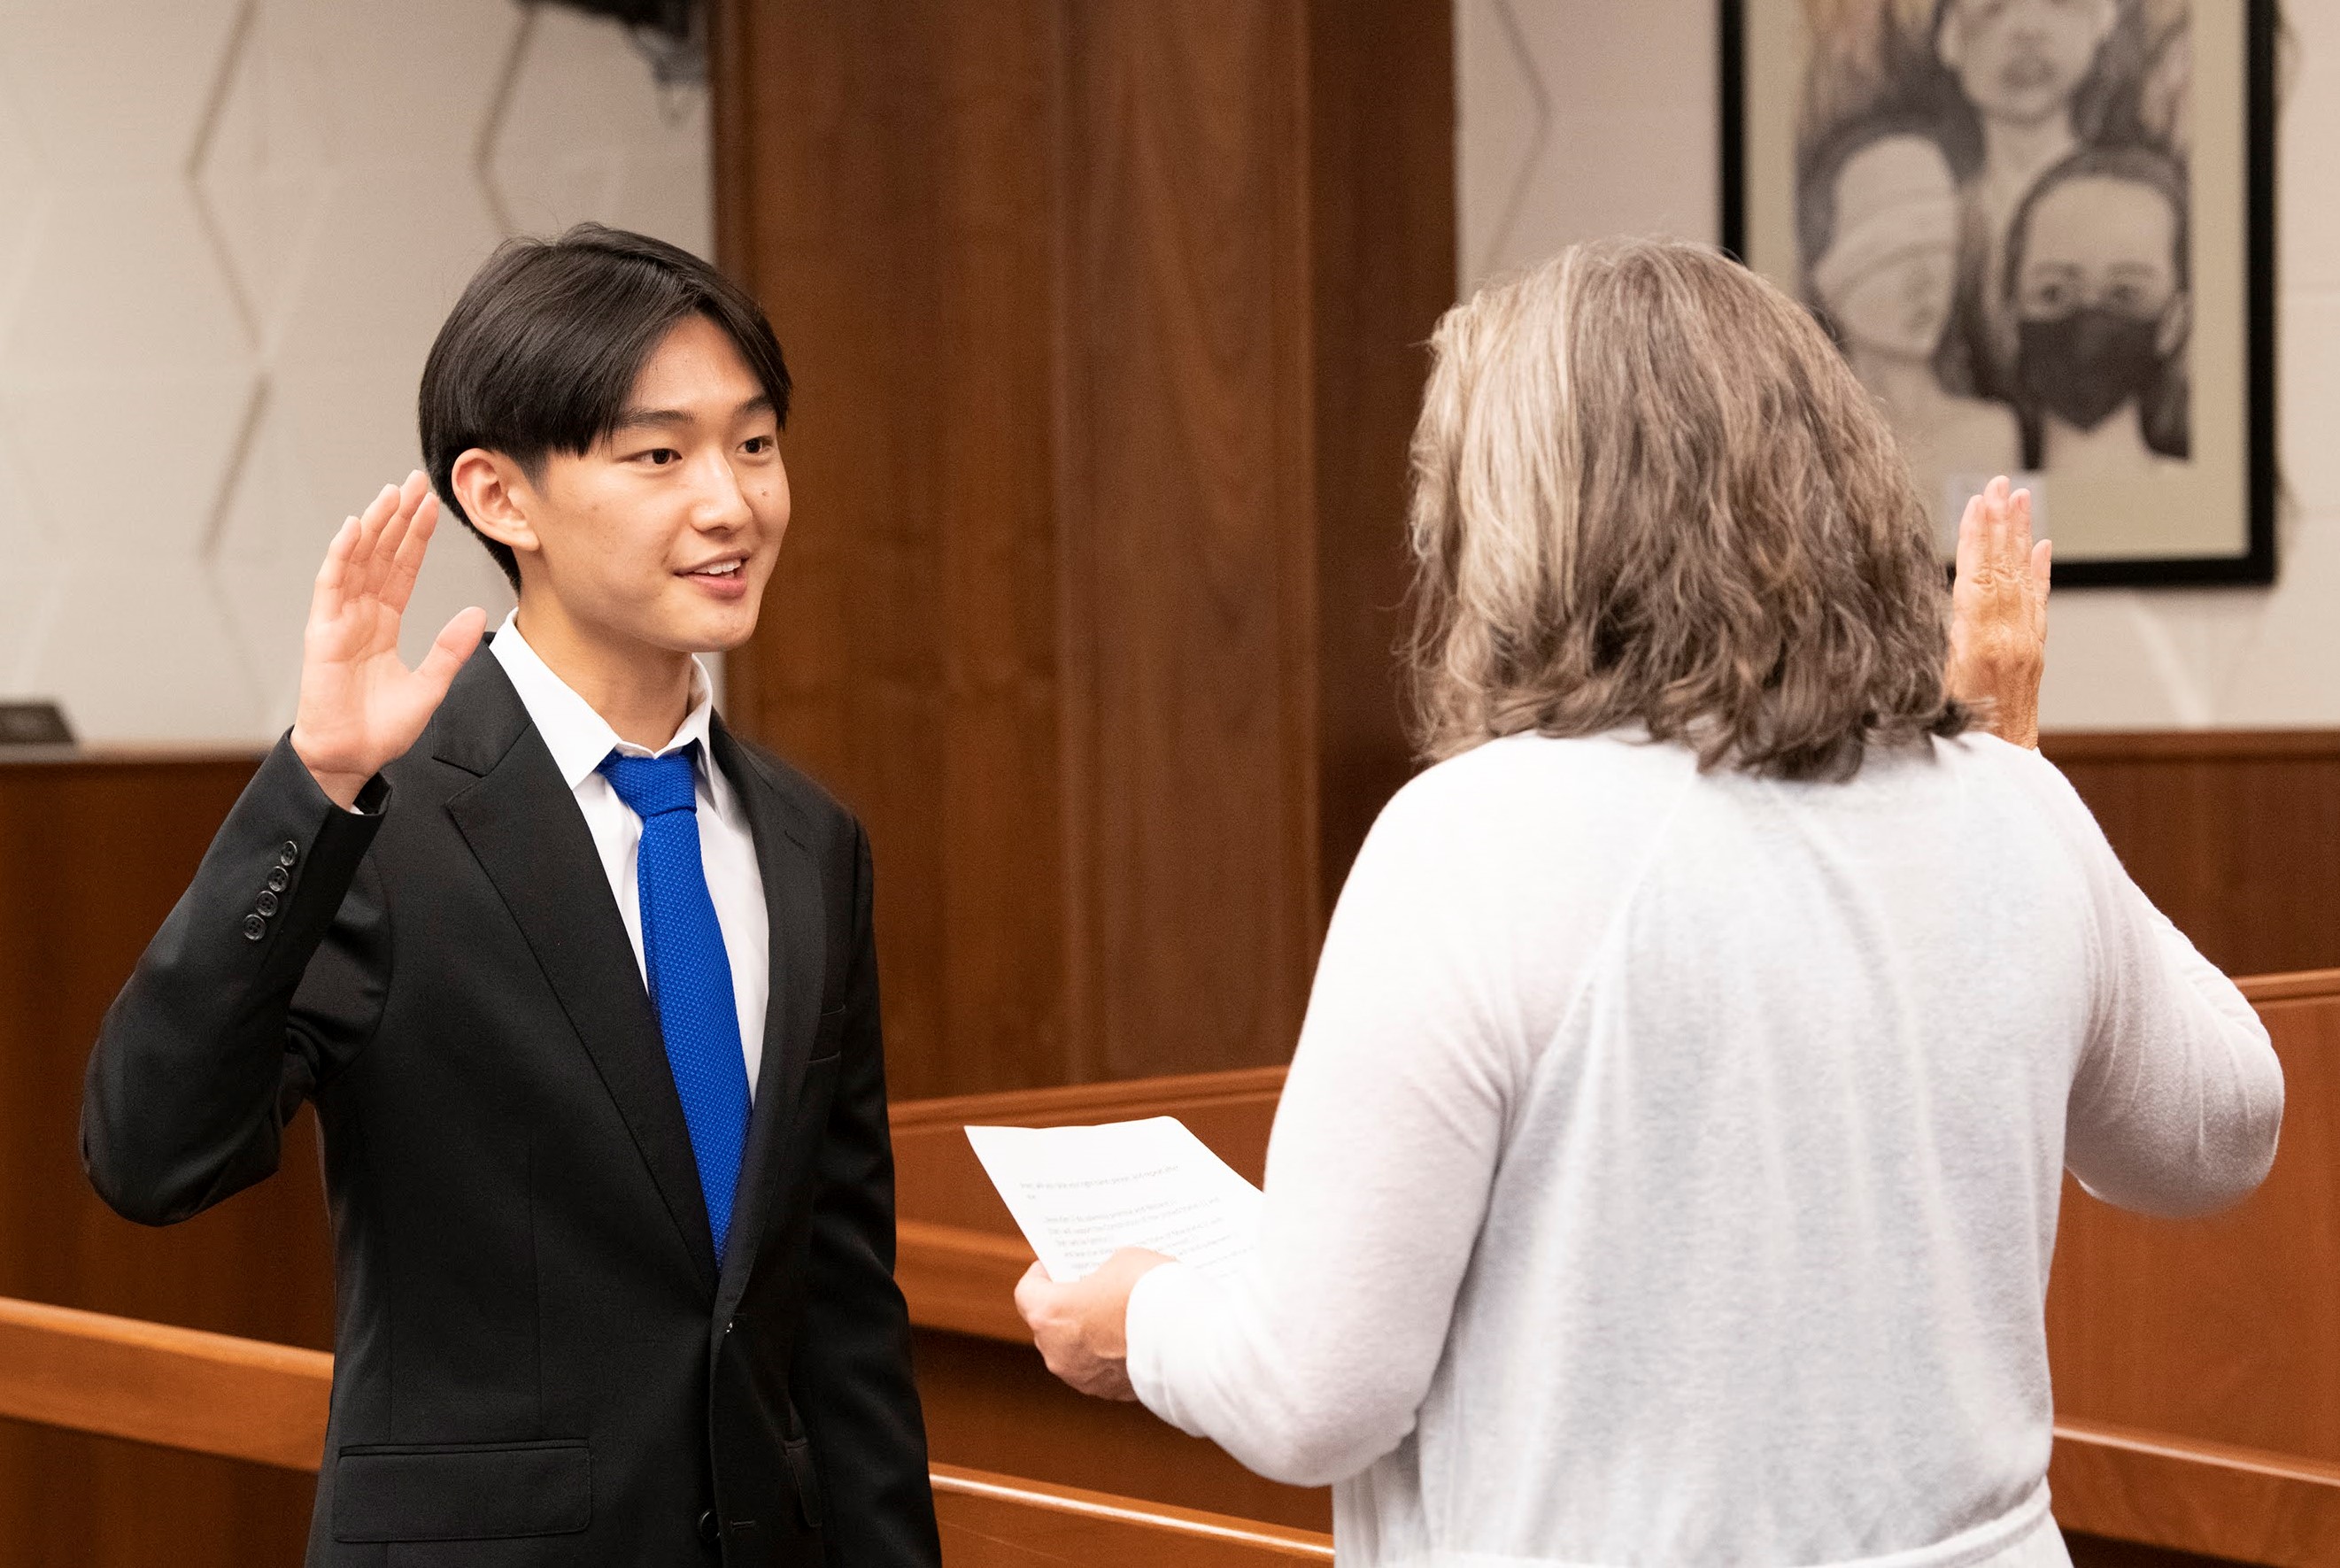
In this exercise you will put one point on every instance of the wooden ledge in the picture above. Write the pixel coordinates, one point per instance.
(1077, 1103)
(2209, 1498)
(2306, 984)
(961, 1280)
(154, 1383)
(1071, 1523)
(2066, 746)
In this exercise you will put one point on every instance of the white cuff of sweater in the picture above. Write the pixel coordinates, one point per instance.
(1161, 1299)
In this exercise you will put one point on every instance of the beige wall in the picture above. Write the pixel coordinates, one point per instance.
(228, 230)
(1586, 117)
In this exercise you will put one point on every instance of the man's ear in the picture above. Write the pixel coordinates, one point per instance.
(2176, 321)
(497, 497)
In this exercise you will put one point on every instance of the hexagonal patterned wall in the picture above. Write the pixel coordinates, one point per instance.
(228, 231)
(1587, 117)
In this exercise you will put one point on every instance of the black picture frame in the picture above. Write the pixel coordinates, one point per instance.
(2253, 566)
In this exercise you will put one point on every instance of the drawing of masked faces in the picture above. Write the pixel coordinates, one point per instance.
(1888, 276)
(2099, 301)
(2022, 60)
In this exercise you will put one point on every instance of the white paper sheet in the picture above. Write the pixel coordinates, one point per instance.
(1080, 1193)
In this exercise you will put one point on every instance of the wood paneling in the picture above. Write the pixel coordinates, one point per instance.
(2226, 1329)
(2235, 835)
(2234, 1504)
(887, 182)
(1105, 315)
(1381, 123)
(991, 1404)
(92, 853)
(989, 1401)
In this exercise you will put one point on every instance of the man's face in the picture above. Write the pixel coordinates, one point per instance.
(665, 534)
(2022, 60)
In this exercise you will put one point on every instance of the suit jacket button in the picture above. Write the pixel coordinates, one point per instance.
(266, 904)
(290, 853)
(709, 1530)
(278, 878)
(255, 927)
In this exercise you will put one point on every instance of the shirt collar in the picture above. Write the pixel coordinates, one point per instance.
(578, 737)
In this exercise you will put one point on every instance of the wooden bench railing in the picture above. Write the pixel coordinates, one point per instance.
(241, 1399)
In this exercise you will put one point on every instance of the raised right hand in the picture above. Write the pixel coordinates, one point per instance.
(1998, 613)
(361, 708)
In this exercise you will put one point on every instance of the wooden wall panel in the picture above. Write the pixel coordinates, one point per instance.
(1188, 537)
(2235, 835)
(1382, 121)
(1105, 316)
(92, 857)
(2226, 1329)
(887, 181)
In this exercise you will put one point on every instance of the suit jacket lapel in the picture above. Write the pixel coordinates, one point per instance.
(523, 825)
(792, 897)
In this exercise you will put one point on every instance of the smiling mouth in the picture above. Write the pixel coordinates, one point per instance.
(718, 569)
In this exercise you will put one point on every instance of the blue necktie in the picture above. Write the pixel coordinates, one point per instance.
(690, 973)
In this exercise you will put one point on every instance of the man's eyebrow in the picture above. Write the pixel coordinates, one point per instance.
(669, 418)
(648, 418)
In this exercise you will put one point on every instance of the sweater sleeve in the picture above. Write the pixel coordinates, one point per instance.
(1313, 1363)
(2178, 1095)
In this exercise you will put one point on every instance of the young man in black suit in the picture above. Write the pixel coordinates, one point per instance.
(582, 987)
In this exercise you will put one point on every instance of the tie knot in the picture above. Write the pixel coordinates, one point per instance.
(652, 786)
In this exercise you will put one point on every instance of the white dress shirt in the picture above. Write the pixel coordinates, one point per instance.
(579, 738)
(1669, 1170)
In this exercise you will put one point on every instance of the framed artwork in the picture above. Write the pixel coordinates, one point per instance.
(2042, 232)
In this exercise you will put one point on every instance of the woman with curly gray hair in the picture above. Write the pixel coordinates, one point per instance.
(1668, 1172)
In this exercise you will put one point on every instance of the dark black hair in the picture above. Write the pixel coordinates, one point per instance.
(541, 353)
(2138, 167)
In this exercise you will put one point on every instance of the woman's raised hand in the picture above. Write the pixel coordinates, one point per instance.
(361, 708)
(1998, 613)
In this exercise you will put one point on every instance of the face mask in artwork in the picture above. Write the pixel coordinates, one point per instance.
(2085, 364)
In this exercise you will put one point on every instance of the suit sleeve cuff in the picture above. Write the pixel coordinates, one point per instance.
(296, 851)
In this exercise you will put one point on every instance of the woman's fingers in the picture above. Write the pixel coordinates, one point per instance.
(1028, 1293)
(1970, 544)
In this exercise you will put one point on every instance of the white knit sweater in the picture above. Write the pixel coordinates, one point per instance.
(1669, 1169)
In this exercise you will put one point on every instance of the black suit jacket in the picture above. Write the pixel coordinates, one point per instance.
(538, 1360)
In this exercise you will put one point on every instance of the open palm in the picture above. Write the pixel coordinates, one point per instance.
(361, 708)
(1998, 613)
